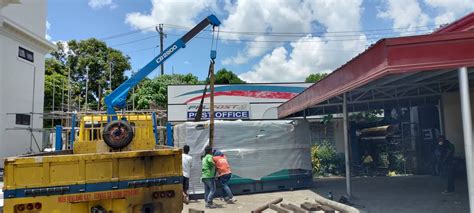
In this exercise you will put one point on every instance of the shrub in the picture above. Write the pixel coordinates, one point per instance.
(326, 160)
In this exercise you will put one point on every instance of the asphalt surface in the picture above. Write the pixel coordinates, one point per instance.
(371, 194)
(410, 194)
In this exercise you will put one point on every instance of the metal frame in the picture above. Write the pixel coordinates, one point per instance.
(467, 131)
(388, 57)
(414, 88)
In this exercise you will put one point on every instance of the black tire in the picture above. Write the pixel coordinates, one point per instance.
(117, 134)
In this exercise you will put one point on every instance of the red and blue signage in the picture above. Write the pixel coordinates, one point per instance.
(260, 100)
(253, 91)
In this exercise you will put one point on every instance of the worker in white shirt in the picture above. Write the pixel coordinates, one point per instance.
(187, 164)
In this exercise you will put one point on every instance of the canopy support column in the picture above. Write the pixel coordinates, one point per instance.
(346, 146)
(467, 131)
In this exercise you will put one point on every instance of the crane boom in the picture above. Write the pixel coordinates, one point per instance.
(118, 97)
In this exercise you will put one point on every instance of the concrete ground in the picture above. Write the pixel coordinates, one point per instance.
(372, 194)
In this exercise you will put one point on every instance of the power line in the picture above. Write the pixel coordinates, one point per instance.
(357, 37)
(271, 41)
(284, 41)
(375, 35)
(124, 34)
(134, 41)
(305, 33)
(368, 36)
(269, 33)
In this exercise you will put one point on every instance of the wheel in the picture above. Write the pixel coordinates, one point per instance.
(117, 134)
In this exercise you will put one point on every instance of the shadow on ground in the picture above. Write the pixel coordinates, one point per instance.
(375, 194)
(399, 194)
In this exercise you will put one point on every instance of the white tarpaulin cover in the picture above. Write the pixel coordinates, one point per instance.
(254, 149)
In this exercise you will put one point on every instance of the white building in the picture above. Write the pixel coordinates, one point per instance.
(232, 101)
(22, 53)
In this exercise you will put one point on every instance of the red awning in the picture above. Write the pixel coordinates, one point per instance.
(447, 48)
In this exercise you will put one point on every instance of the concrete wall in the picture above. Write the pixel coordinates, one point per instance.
(453, 120)
(17, 76)
(30, 14)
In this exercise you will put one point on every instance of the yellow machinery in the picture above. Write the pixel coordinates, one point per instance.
(115, 164)
(93, 177)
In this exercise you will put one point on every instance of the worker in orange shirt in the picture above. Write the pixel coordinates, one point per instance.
(224, 174)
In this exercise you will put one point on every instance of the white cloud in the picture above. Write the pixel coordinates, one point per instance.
(283, 66)
(48, 27)
(181, 13)
(98, 4)
(406, 15)
(262, 16)
(307, 54)
(312, 54)
(451, 10)
(259, 46)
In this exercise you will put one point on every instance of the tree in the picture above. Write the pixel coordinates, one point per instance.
(91, 56)
(55, 87)
(315, 77)
(156, 90)
(224, 76)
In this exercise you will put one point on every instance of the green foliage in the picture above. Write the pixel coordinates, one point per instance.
(326, 160)
(327, 119)
(398, 161)
(73, 57)
(56, 83)
(224, 76)
(53, 66)
(367, 116)
(155, 90)
(315, 77)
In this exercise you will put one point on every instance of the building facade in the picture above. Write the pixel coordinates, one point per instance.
(22, 65)
(232, 101)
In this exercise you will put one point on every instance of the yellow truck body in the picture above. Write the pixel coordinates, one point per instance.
(91, 178)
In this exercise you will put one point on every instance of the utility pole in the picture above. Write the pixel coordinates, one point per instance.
(52, 109)
(133, 94)
(62, 96)
(99, 92)
(110, 76)
(54, 91)
(69, 90)
(87, 85)
(211, 106)
(159, 29)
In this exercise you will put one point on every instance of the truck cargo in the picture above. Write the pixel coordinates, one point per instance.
(114, 165)
(94, 177)
(131, 181)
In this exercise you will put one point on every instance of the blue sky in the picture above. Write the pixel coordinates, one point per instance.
(262, 41)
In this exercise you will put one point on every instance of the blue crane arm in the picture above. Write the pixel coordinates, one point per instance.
(118, 97)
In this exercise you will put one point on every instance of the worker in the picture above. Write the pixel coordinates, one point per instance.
(446, 150)
(187, 164)
(367, 161)
(208, 177)
(224, 174)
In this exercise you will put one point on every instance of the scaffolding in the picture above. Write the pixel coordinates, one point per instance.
(68, 124)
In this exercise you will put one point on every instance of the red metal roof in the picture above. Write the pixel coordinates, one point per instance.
(446, 48)
(465, 23)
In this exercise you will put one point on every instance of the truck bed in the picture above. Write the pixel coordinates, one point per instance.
(63, 172)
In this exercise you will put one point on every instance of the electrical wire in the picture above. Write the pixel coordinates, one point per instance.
(271, 33)
(377, 34)
(306, 33)
(367, 37)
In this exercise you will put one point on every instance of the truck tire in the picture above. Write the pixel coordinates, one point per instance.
(117, 134)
